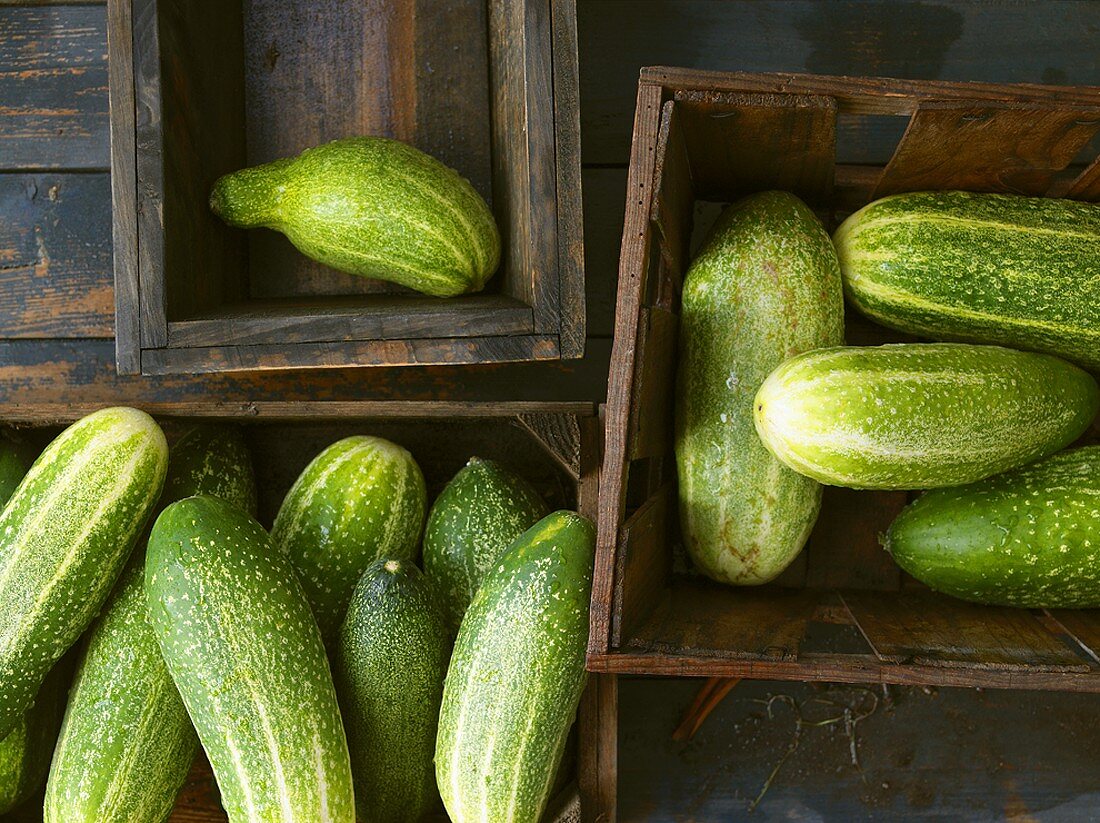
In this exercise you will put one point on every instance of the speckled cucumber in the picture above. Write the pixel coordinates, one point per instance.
(128, 744)
(390, 664)
(236, 632)
(764, 287)
(992, 268)
(516, 676)
(65, 536)
(373, 207)
(25, 751)
(920, 416)
(475, 518)
(360, 499)
(1030, 537)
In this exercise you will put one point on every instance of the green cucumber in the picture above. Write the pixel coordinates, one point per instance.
(25, 752)
(128, 744)
(390, 663)
(373, 207)
(985, 268)
(1029, 537)
(245, 653)
(475, 518)
(360, 499)
(516, 676)
(921, 416)
(65, 536)
(765, 286)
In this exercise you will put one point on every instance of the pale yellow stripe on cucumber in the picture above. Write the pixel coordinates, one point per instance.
(118, 781)
(520, 764)
(905, 298)
(58, 487)
(28, 621)
(471, 232)
(286, 805)
(242, 775)
(305, 495)
(1012, 228)
(322, 774)
(486, 768)
(389, 262)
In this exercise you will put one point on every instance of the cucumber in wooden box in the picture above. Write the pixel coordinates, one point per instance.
(65, 536)
(765, 286)
(360, 499)
(475, 518)
(245, 652)
(516, 676)
(1029, 537)
(128, 744)
(919, 416)
(390, 664)
(993, 268)
(374, 207)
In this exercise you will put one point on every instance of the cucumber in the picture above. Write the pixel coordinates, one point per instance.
(128, 744)
(1029, 537)
(985, 268)
(360, 499)
(390, 663)
(764, 286)
(65, 536)
(516, 676)
(373, 207)
(918, 416)
(245, 653)
(25, 752)
(475, 518)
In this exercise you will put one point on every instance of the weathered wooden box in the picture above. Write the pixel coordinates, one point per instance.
(554, 446)
(843, 611)
(203, 87)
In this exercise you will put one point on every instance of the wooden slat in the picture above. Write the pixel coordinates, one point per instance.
(123, 203)
(378, 317)
(643, 564)
(673, 207)
(598, 748)
(934, 630)
(44, 377)
(740, 143)
(1087, 184)
(701, 618)
(986, 147)
(567, 160)
(652, 404)
(844, 550)
(55, 256)
(559, 435)
(1084, 626)
(53, 88)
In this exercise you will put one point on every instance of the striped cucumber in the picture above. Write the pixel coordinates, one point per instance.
(516, 676)
(475, 518)
(25, 752)
(245, 653)
(65, 536)
(764, 287)
(1029, 537)
(390, 663)
(985, 268)
(920, 416)
(128, 744)
(360, 499)
(373, 207)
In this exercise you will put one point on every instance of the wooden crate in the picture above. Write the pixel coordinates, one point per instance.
(203, 87)
(843, 611)
(555, 447)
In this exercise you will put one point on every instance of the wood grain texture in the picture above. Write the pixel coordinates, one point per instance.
(984, 147)
(844, 550)
(598, 748)
(1084, 626)
(55, 256)
(643, 565)
(53, 88)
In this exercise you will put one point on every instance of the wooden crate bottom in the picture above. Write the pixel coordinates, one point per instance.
(909, 637)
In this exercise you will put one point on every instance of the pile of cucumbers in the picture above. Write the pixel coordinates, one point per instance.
(324, 675)
(771, 404)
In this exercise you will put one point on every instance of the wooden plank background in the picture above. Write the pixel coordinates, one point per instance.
(965, 755)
